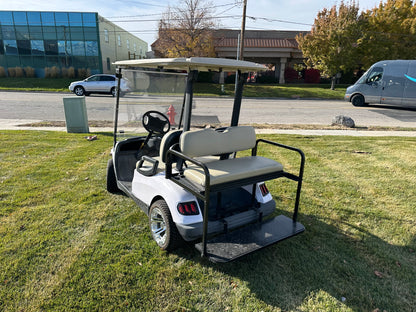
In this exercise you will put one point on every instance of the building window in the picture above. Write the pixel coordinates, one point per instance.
(106, 35)
(128, 44)
(37, 47)
(64, 47)
(78, 48)
(10, 47)
(119, 40)
(135, 48)
(51, 47)
(23, 47)
(108, 64)
(91, 48)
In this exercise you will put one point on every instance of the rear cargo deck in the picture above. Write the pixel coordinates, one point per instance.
(235, 244)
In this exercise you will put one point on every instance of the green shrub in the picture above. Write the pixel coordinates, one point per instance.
(30, 72)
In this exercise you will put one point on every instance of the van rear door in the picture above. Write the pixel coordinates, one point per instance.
(409, 97)
(394, 82)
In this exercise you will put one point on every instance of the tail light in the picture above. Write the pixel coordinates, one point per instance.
(188, 209)
(264, 190)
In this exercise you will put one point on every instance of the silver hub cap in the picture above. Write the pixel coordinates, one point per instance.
(158, 226)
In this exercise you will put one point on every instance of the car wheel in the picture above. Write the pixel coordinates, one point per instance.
(163, 229)
(358, 100)
(111, 178)
(113, 92)
(78, 90)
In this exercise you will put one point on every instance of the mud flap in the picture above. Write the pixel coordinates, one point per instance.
(243, 241)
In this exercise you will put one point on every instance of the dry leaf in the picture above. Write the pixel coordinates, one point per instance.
(379, 274)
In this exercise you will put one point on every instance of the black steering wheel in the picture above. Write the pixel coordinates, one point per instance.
(156, 122)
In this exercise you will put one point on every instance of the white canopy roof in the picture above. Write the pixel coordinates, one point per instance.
(194, 63)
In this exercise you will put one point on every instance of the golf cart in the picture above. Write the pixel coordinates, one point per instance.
(190, 181)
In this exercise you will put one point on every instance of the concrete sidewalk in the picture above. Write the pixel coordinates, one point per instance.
(16, 124)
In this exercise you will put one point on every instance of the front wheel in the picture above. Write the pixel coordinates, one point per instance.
(79, 91)
(113, 92)
(358, 100)
(163, 229)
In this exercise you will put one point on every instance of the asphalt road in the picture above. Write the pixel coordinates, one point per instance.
(21, 107)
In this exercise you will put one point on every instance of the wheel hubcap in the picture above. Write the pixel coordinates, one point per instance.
(158, 226)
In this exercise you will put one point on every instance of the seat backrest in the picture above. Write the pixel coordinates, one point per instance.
(210, 142)
(169, 139)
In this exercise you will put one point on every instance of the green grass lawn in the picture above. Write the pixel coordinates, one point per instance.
(201, 89)
(36, 84)
(68, 245)
(271, 91)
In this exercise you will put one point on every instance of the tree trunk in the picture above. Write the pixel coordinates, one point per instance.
(333, 83)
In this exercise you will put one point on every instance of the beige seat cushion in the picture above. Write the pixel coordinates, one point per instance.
(210, 142)
(223, 171)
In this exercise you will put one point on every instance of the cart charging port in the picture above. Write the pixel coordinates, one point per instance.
(188, 209)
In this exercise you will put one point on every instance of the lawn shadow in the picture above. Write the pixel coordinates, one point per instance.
(357, 270)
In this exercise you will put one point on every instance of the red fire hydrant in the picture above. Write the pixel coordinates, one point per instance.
(171, 113)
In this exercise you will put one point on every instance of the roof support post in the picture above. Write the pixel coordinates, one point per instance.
(237, 98)
(188, 99)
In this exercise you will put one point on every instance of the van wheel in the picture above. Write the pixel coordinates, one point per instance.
(111, 178)
(163, 229)
(358, 100)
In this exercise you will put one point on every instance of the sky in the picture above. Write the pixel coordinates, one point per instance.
(140, 17)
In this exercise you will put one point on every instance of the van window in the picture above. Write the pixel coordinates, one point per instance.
(375, 75)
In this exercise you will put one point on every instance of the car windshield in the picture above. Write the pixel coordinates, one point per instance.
(149, 90)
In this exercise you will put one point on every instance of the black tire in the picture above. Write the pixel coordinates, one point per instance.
(113, 91)
(162, 227)
(78, 90)
(358, 100)
(111, 178)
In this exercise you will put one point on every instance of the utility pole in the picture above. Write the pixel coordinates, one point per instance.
(243, 27)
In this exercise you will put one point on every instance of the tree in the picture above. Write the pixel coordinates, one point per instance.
(390, 32)
(333, 45)
(186, 31)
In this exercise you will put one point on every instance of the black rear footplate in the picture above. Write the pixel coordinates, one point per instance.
(235, 244)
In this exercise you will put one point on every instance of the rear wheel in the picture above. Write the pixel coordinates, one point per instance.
(78, 90)
(111, 178)
(163, 229)
(358, 100)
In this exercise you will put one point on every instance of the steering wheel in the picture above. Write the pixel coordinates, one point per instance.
(156, 122)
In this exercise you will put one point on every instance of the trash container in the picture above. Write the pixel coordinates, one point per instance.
(76, 114)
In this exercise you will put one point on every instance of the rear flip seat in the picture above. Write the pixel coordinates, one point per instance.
(210, 142)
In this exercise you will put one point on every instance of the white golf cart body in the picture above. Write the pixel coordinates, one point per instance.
(173, 175)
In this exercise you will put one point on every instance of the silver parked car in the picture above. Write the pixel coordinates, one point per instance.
(103, 83)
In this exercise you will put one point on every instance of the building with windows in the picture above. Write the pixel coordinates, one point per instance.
(64, 39)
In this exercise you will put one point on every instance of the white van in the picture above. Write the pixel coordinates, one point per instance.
(386, 82)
